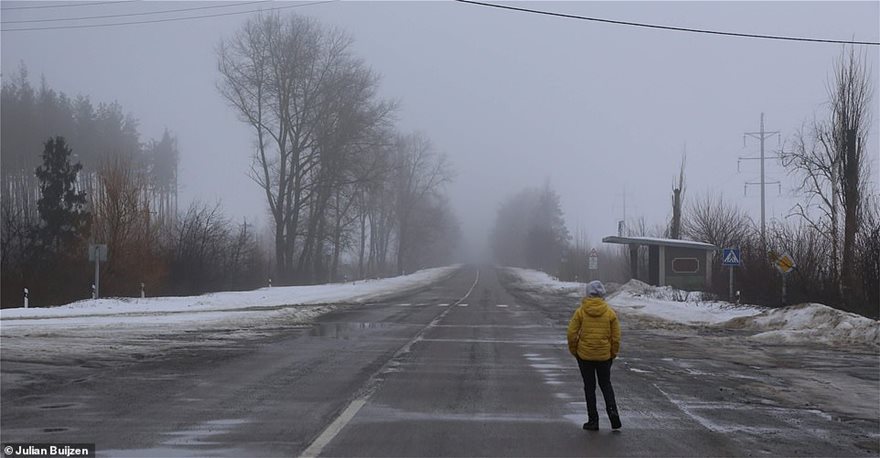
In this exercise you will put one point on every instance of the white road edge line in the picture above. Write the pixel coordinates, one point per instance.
(331, 431)
(317, 446)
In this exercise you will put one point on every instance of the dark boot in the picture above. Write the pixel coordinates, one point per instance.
(614, 417)
(592, 423)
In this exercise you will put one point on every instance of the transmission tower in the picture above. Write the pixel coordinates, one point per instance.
(761, 135)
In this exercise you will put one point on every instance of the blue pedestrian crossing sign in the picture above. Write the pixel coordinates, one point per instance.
(731, 257)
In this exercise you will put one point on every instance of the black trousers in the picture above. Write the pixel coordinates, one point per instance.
(590, 371)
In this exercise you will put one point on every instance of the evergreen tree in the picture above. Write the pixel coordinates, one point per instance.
(61, 206)
(530, 230)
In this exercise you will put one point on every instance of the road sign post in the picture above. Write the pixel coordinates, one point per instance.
(785, 265)
(784, 292)
(730, 286)
(593, 263)
(97, 253)
(731, 258)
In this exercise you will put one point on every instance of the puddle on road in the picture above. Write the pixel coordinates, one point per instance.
(202, 433)
(59, 406)
(543, 367)
(639, 371)
(346, 329)
(196, 441)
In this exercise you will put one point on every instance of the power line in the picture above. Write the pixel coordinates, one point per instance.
(154, 21)
(82, 18)
(64, 6)
(667, 27)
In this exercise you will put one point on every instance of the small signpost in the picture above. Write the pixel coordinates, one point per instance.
(593, 263)
(731, 258)
(784, 264)
(97, 253)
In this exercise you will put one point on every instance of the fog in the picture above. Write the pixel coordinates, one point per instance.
(602, 112)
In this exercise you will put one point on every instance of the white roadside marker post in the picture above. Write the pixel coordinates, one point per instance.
(25, 298)
(142, 290)
(97, 271)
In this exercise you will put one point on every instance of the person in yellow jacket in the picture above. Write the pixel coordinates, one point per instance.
(594, 339)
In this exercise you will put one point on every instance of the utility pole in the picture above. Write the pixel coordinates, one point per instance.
(761, 136)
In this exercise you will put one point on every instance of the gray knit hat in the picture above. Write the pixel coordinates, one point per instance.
(595, 288)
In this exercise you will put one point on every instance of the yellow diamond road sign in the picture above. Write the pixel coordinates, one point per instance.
(785, 263)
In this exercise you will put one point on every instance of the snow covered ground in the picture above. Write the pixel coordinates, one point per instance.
(210, 307)
(122, 327)
(802, 323)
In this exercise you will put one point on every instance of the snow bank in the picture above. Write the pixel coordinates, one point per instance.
(540, 282)
(638, 288)
(637, 297)
(670, 304)
(810, 323)
(802, 323)
(206, 307)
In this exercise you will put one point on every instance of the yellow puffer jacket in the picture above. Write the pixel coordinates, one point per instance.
(593, 332)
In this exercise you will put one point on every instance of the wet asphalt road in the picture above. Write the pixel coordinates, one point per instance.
(445, 373)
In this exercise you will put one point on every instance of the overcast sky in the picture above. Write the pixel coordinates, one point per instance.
(513, 99)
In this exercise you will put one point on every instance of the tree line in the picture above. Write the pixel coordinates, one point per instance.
(337, 176)
(833, 234)
(347, 194)
(75, 174)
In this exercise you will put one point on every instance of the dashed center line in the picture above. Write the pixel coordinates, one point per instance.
(444, 304)
(314, 449)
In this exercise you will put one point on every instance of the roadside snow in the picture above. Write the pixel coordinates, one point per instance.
(810, 323)
(803, 323)
(132, 310)
(675, 305)
(540, 282)
(107, 331)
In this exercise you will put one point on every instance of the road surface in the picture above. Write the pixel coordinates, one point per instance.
(467, 367)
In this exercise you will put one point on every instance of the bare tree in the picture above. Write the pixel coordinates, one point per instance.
(677, 200)
(311, 105)
(123, 218)
(829, 158)
(419, 173)
(712, 220)
(272, 71)
(346, 145)
(869, 251)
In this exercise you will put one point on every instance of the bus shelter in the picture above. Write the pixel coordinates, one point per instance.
(682, 264)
